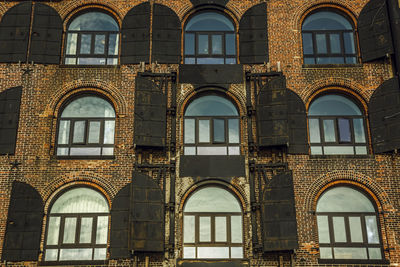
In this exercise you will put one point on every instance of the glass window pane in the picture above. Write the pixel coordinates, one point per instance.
(230, 61)
(236, 252)
(99, 44)
(94, 21)
(209, 21)
(351, 60)
(309, 60)
(349, 43)
(112, 61)
(335, 43)
(216, 41)
(211, 150)
(326, 20)
(94, 132)
(339, 150)
(212, 199)
(314, 131)
(361, 150)
(321, 43)
(219, 130)
(329, 131)
(100, 254)
(109, 131)
(233, 125)
(80, 200)
(51, 255)
(189, 44)
(316, 150)
(220, 229)
(102, 230)
(53, 230)
(205, 229)
(70, 61)
(333, 105)
(359, 134)
(91, 61)
(344, 130)
(62, 151)
(350, 253)
(372, 230)
(211, 105)
(85, 151)
(210, 60)
(188, 229)
(325, 253)
(233, 150)
(190, 60)
(89, 107)
(330, 60)
(230, 44)
(71, 43)
(189, 252)
(204, 131)
(189, 131)
(113, 42)
(339, 229)
(355, 229)
(69, 230)
(213, 252)
(86, 43)
(63, 132)
(190, 150)
(202, 45)
(107, 151)
(375, 253)
(86, 230)
(323, 229)
(79, 132)
(236, 229)
(76, 254)
(308, 48)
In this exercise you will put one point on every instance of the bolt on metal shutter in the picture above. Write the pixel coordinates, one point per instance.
(279, 214)
(46, 35)
(150, 114)
(374, 31)
(297, 119)
(119, 236)
(272, 113)
(135, 32)
(24, 224)
(384, 116)
(10, 101)
(147, 215)
(253, 35)
(166, 47)
(14, 33)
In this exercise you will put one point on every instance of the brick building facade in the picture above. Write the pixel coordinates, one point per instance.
(199, 132)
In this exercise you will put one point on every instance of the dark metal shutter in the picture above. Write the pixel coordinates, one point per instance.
(119, 236)
(253, 35)
(384, 116)
(279, 214)
(209, 2)
(46, 35)
(24, 224)
(272, 113)
(374, 31)
(14, 33)
(10, 101)
(297, 119)
(147, 215)
(166, 47)
(135, 32)
(150, 114)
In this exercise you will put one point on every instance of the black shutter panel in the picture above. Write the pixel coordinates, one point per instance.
(272, 113)
(374, 31)
(297, 119)
(147, 215)
(279, 214)
(135, 31)
(24, 224)
(253, 35)
(10, 101)
(14, 33)
(46, 35)
(150, 114)
(384, 116)
(209, 2)
(166, 47)
(119, 237)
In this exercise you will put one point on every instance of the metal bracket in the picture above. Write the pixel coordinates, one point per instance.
(15, 165)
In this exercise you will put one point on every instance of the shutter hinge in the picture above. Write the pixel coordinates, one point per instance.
(255, 206)
(170, 206)
(257, 248)
(250, 111)
(252, 165)
(172, 165)
(171, 111)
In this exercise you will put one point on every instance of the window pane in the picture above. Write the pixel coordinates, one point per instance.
(211, 105)
(63, 132)
(69, 230)
(220, 229)
(94, 132)
(230, 44)
(61, 151)
(93, 21)
(359, 134)
(316, 150)
(204, 131)
(374, 253)
(202, 45)
(70, 61)
(86, 230)
(333, 105)
(308, 44)
(190, 61)
(76, 254)
(190, 151)
(189, 44)
(71, 43)
(100, 254)
(53, 230)
(233, 125)
(188, 229)
(109, 131)
(85, 151)
(314, 131)
(189, 252)
(372, 230)
(79, 132)
(349, 43)
(212, 199)
(230, 61)
(351, 60)
(325, 253)
(211, 150)
(344, 130)
(219, 130)
(339, 150)
(323, 229)
(189, 131)
(213, 252)
(102, 230)
(91, 61)
(309, 60)
(107, 151)
(335, 43)
(236, 229)
(100, 43)
(330, 60)
(355, 229)
(89, 107)
(361, 150)
(233, 150)
(329, 131)
(51, 255)
(321, 43)
(216, 44)
(113, 42)
(210, 60)
(205, 229)
(236, 252)
(86, 43)
(350, 253)
(339, 229)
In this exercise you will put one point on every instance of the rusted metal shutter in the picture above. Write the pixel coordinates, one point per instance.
(24, 224)
(374, 31)
(384, 116)
(119, 236)
(279, 214)
(253, 35)
(10, 101)
(297, 119)
(272, 113)
(14, 33)
(150, 114)
(46, 35)
(135, 32)
(166, 47)
(147, 215)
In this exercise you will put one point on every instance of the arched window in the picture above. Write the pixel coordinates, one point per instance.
(212, 225)
(348, 225)
(86, 128)
(211, 127)
(210, 38)
(92, 39)
(336, 126)
(328, 38)
(77, 227)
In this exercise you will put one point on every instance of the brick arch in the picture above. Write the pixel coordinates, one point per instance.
(4, 9)
(359, 180)
(180, 10)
